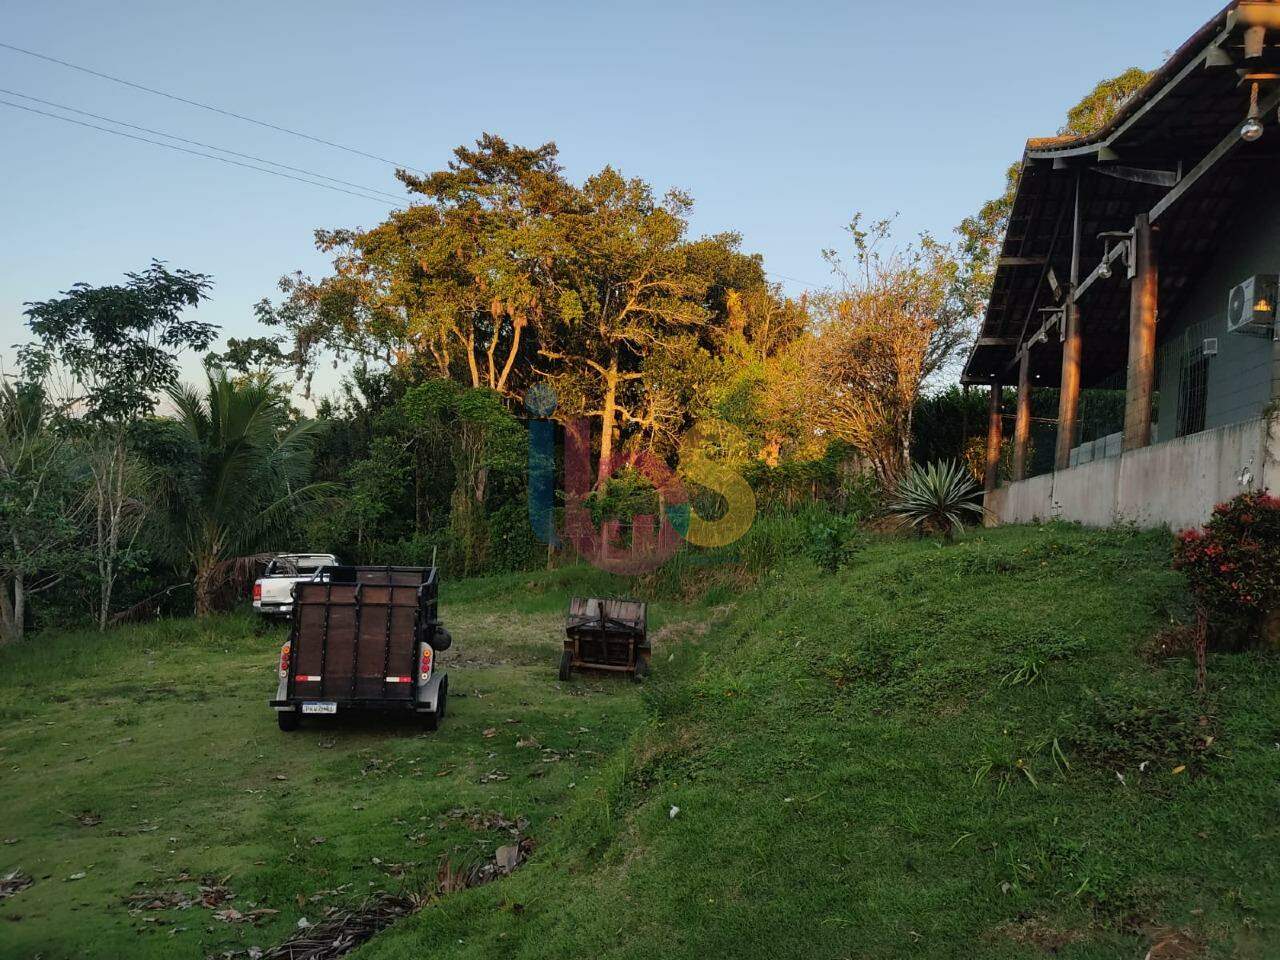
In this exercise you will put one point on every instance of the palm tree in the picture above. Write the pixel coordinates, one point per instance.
(247, 478)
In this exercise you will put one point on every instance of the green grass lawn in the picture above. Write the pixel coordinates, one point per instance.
(943, 752)
(145, 762)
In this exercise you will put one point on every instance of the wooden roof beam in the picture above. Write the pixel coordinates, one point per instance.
(1215, 156)
(1156, 178)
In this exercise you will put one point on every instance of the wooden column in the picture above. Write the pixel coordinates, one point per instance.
(995, 435)
(1022, 423)
(1144, 291)
(1069, 385)
(1069, 391)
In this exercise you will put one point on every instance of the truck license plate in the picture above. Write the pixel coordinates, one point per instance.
(320, 707)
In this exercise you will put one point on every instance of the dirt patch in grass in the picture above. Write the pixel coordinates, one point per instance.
(690, 629)
(1169, 944)
(1037, 932)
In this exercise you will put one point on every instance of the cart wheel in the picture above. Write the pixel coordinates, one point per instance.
(642, 668)
(443, 703)
(289, 720)
(566, 665)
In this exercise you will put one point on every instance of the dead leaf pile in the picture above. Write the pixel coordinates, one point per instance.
(15, 881)
(341, 931)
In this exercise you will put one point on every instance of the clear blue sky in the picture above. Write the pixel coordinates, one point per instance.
(781, 119)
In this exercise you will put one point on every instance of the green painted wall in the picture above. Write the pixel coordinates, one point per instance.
(1239, 377)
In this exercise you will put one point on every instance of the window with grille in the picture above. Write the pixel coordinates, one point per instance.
(1193, 384)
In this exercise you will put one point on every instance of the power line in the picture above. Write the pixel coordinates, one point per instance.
(194, 153)
(205, 106)
(808, 287)
(207, 146)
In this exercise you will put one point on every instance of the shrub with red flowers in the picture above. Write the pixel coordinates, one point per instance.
(1233, 563)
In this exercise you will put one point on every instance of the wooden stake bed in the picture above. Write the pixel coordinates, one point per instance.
(357, 637)
(606, 634)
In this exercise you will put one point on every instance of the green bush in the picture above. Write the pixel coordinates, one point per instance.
(833, 541)
(512, 545)
(1233, 564)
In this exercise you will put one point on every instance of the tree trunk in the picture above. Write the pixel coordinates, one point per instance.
(11, 611)
(419, 494)
(609, 413)
(204, 588)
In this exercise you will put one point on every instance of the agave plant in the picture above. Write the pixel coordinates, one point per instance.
(937, 495)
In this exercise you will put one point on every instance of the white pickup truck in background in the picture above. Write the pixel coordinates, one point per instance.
(273, 591)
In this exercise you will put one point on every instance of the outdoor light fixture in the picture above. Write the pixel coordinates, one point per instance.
(1252, 129)
(1104, 271)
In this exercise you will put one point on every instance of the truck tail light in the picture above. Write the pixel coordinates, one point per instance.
(257, 591)
(284, 659)
(424, 667)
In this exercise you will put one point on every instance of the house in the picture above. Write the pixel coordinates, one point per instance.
(1138, 276)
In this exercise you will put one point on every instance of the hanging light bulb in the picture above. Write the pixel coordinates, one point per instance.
(1252, 128)
(1104, 271)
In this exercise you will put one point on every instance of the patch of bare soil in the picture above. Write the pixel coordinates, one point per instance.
(1037, 932)
(1169, 944)
(691, 629)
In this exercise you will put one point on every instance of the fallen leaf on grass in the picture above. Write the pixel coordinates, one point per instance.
(78, 876)
(215, 895)
(490, 732)
(229, 915)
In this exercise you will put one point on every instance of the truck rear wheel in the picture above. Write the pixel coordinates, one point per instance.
(566, 665)
(289, 720)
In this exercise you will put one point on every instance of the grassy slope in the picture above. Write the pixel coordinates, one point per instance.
(822, 746)
(163, 732)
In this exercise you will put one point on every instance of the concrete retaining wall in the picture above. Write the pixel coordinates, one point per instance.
(1173, 484)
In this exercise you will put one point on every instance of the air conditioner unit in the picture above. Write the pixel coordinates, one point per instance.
(1251, 308)
(1210, 347)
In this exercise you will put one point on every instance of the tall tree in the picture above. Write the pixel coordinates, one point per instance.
(120, 345)
(455, 283)
(41, 505)
(889, 327)
(635, 299)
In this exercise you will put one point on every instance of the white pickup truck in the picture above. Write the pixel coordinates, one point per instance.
(273, 591)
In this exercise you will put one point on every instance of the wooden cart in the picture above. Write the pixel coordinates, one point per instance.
(602, 634)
